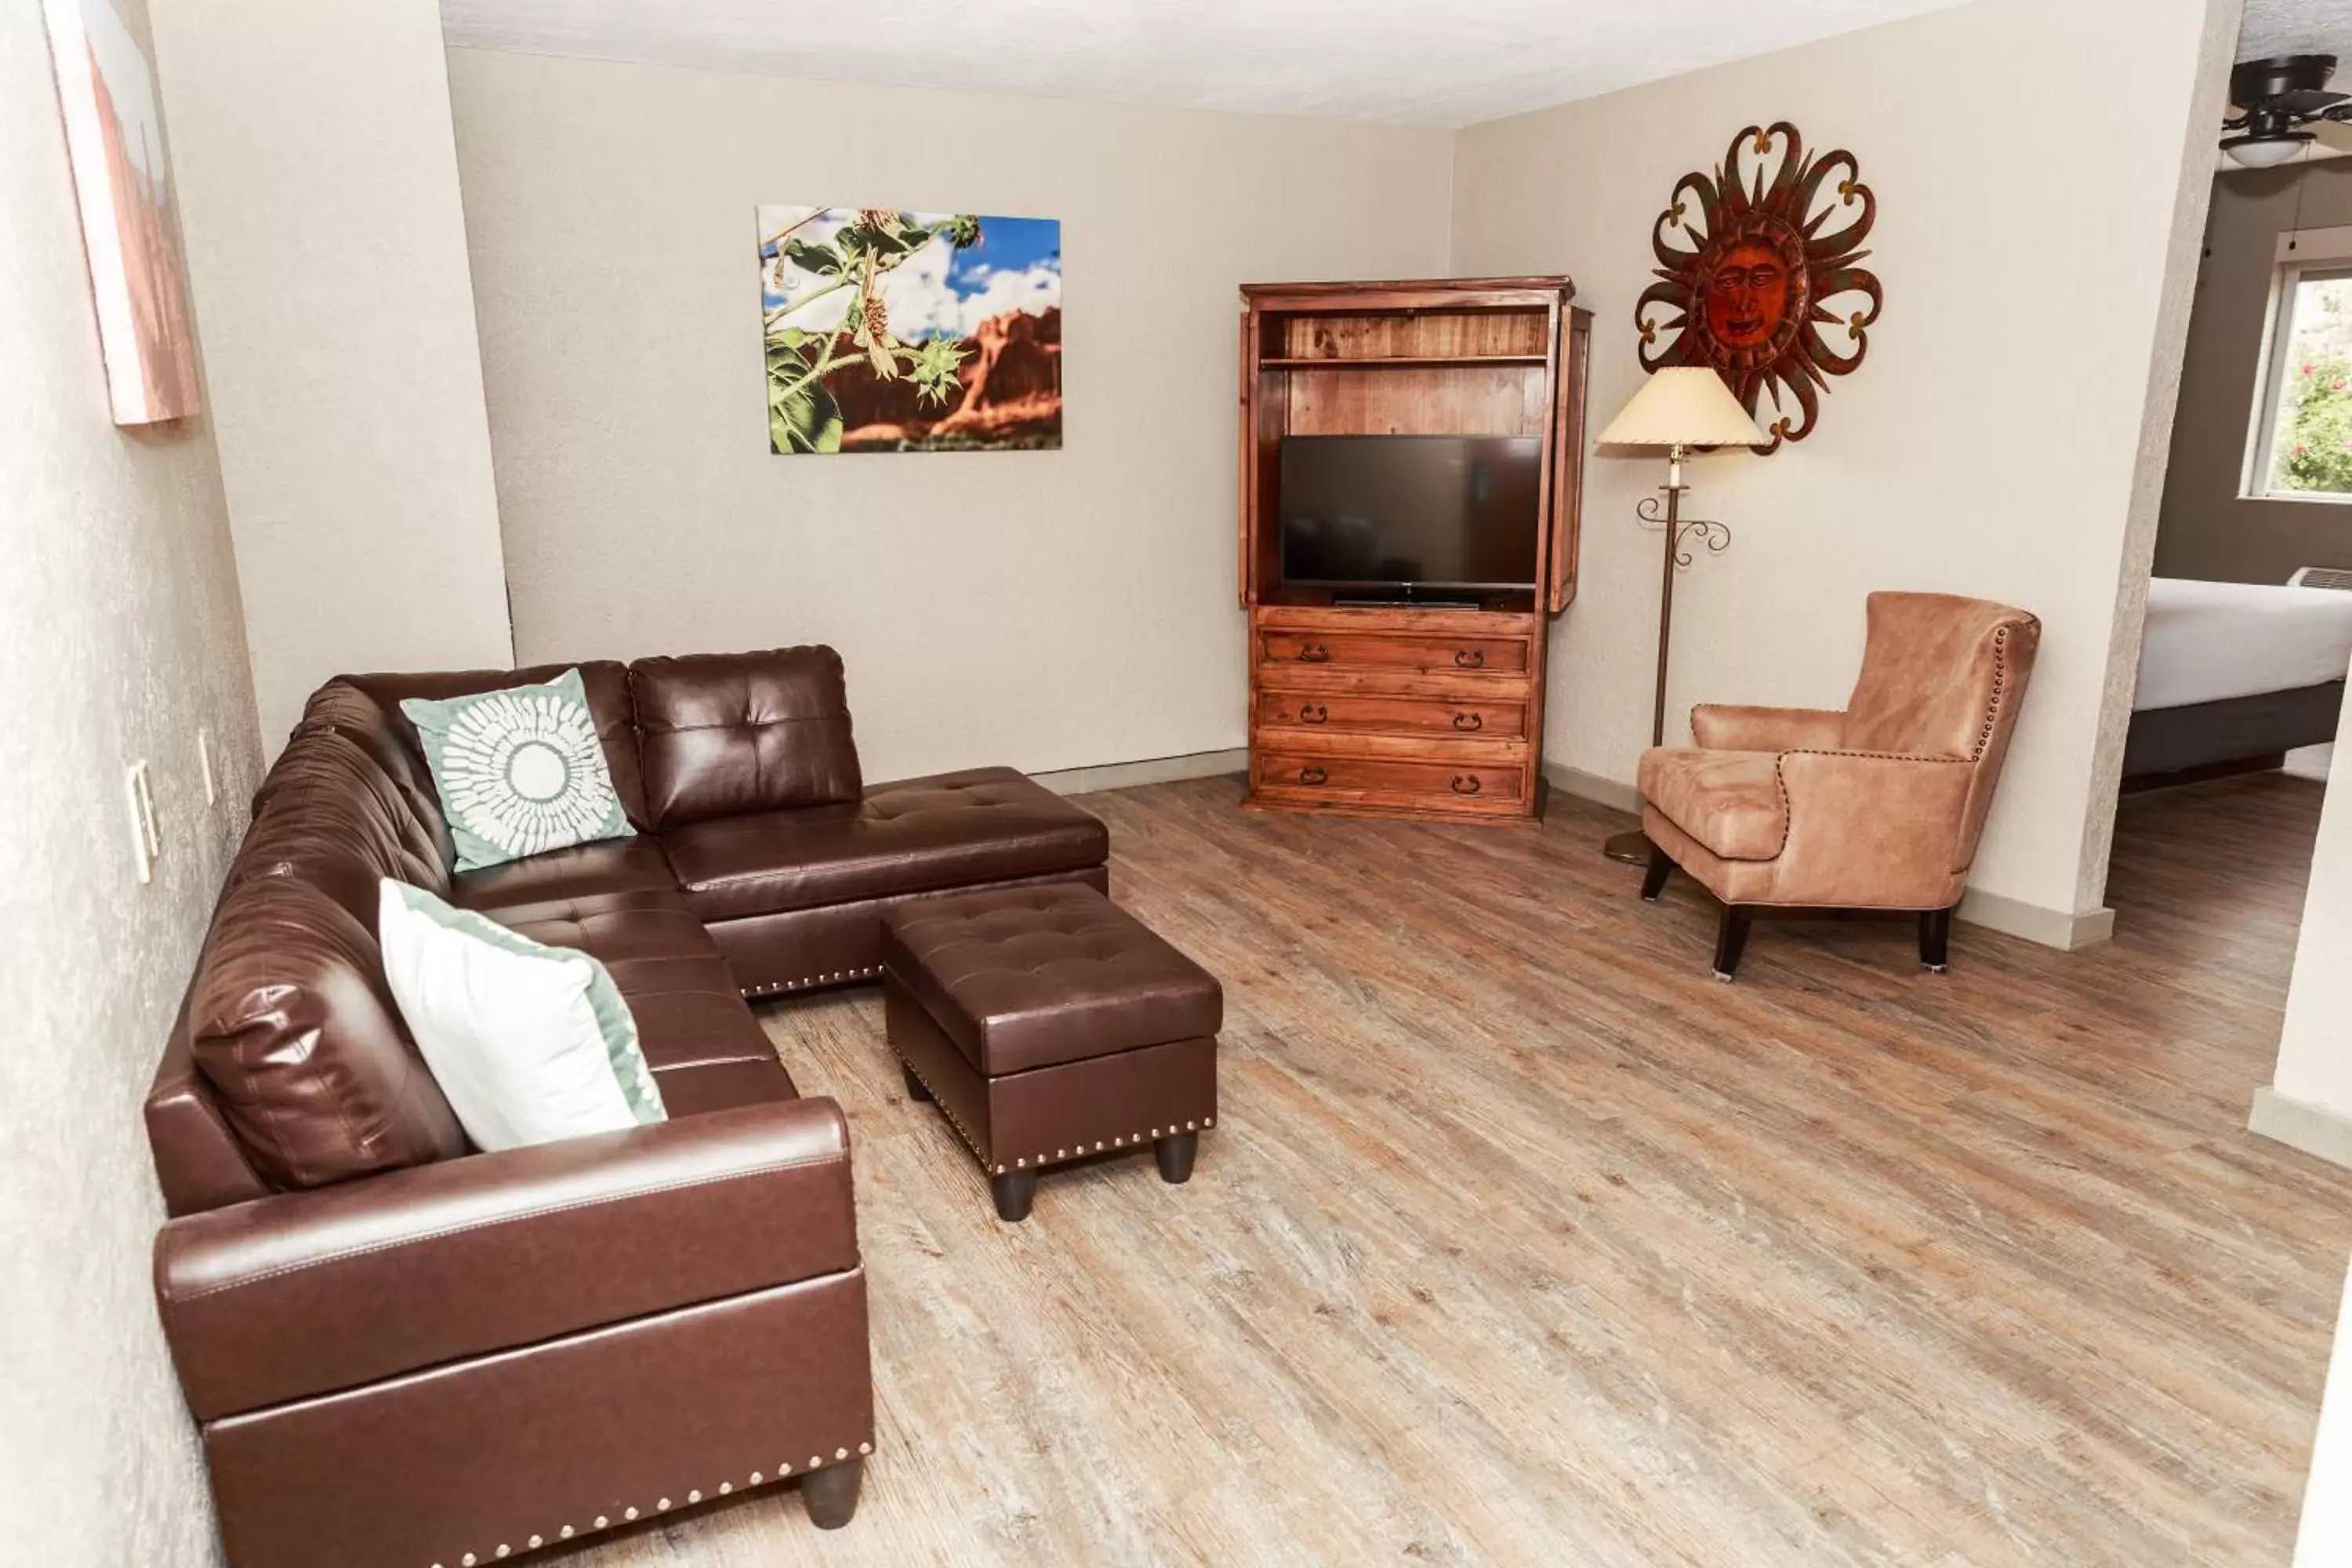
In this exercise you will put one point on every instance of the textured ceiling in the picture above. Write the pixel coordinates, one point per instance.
(2299, 27)
(1406, 60)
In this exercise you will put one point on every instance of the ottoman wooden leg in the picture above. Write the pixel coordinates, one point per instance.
(915, 1089)
(1016, 1191)
(831, 1494)
(1175, 1156)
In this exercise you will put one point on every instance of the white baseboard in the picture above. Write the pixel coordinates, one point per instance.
(1154, 770)
(2012, 917)
(2037, 923)
(2325, 1134)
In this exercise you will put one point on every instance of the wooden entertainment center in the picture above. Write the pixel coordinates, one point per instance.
(1394, 708)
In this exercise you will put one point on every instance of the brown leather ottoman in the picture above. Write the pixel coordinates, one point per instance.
(1049, 1026)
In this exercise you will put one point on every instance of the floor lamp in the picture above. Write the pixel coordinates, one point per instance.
(1683, 409)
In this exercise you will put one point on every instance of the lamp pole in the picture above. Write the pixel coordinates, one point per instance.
(1632, 847)
(1675, 487)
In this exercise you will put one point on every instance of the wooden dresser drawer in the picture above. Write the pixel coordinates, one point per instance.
(1308, 775)
(1362, 714)
(1393, 650)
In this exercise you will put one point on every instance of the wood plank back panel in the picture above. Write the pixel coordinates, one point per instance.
(1433, 400)
(1451, 335)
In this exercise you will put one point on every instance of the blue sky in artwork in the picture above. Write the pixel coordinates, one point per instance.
(1006, 245)
(934, 292)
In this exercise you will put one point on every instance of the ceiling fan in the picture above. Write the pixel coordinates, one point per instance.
(2276, 99)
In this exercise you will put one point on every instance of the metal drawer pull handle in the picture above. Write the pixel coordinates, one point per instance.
(1313, 652)
(1469, 721)
(1314, 714)
(1470, 657)
(1312, 775)
(1465, 783)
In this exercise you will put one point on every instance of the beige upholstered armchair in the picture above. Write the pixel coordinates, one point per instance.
(1876, 807)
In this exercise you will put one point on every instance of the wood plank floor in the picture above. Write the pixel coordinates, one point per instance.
(1522, 1241)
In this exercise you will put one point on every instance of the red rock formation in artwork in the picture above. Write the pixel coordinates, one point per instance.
(1010, 395)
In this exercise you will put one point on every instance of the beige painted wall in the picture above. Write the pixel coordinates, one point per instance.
(327, 252)
(1988, 445)
(118, 601)
(2207, 531)
(1042, 609)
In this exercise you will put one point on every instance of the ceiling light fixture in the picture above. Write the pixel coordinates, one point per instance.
(2276, 98)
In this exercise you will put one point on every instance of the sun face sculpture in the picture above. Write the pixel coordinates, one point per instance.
(1756, 285)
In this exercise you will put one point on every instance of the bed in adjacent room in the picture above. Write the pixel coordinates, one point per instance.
(2233, 676)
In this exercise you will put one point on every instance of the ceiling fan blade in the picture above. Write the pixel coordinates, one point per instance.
(2309, 100)
(2334, 134)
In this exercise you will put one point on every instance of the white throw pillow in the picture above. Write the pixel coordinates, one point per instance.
(530, 1042)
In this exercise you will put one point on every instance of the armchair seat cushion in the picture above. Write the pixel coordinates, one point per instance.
(917, 835)
(1730, 802)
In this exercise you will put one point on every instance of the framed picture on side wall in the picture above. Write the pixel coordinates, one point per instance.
(114, 135)
(911, 332)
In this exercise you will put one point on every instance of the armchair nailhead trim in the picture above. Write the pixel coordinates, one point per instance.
(2000, 688)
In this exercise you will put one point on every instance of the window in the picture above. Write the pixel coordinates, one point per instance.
(2301, 448)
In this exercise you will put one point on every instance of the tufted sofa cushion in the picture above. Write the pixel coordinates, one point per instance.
(984, 825)
(722, 734)
(1027, 977)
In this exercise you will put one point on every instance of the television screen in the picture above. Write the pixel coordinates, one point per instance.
(1436, 512)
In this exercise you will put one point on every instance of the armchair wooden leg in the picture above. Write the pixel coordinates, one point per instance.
(1731, 938)
(1654, 881)
(1935, 939)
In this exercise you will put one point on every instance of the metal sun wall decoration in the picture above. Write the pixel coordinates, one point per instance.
(1751, 294)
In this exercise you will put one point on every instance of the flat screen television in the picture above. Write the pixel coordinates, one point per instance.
(1394, 516)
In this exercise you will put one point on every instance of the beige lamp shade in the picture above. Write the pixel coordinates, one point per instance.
(1684, 405)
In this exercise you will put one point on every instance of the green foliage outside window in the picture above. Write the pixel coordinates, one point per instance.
(2312, 452)
(2314, 447)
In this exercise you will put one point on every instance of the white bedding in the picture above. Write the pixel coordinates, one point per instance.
(2209, 641)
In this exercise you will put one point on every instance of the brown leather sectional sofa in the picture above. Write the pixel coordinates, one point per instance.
(403, 1352)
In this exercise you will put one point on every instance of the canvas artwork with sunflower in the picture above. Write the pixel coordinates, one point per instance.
(908, 331)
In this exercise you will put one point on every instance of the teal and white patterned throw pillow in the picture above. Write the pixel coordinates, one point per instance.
(520, 771)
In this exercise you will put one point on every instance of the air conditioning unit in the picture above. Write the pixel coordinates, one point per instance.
(2322, 577)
